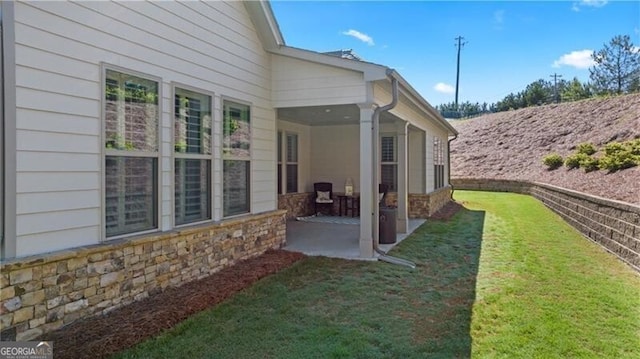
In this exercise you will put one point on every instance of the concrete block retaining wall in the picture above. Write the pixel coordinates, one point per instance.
(615, 225)
(41, 293)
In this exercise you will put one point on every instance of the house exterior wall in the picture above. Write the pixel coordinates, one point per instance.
(335, 151)
(298, 83)
(59, 50)
(416, 162)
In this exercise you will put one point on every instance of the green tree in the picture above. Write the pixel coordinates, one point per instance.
(616, 66)
(575, 90)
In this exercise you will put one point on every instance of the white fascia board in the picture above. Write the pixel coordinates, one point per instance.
(266, 24)
(419, 101)
(372, 72)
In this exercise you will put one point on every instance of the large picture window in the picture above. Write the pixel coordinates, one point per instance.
(192, 164)
(131, 153)
(389, 162)
(236, 156)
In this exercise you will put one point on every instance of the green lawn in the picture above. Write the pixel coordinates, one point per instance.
(505, 278)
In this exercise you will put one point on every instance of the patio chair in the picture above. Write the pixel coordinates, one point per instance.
(323, 196)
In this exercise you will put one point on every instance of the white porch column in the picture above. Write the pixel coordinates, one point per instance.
(402, 220)
(366, 185)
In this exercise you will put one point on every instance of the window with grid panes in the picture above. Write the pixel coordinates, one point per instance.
(388, 162)
(292, 163)
(438, 162)
(236, 158)
(279, 166)
(192, 164)
(131, 153)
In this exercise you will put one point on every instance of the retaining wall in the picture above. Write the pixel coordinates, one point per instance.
(615, 225)
(42, 293)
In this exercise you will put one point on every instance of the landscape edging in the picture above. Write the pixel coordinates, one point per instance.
(614, 225)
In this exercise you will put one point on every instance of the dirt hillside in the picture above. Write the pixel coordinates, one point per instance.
(511, 145)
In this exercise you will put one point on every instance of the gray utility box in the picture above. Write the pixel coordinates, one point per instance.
(387, 225)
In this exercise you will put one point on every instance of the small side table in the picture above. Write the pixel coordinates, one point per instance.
(349, 203)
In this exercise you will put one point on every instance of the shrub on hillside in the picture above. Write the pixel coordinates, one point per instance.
(586, 148)
(634, 146)
(618, 156)
(553, 161)
(590, 164)
(573, 161)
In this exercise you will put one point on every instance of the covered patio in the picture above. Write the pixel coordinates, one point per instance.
(334, 239)
(344, 120)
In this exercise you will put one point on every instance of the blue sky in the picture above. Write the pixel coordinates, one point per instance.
(509, 43)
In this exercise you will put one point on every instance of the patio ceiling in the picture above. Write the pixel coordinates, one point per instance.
(327, 115)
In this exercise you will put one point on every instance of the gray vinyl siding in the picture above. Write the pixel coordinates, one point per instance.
(60, 48)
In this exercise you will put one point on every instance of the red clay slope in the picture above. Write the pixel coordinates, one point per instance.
(511, 145)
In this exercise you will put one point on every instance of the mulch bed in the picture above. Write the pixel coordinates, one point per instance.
(447, 212)
(101, 336)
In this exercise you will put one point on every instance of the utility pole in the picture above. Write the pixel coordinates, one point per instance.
(460, 45)
(555, 86)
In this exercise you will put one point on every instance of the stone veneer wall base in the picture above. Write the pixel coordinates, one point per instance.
(614, 225)
(42, 293)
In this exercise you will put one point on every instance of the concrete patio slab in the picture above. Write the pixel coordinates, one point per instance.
(329, 238)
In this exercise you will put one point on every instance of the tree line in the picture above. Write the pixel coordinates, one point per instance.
(616, 71)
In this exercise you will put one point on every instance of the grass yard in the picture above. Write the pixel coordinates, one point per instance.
(504, 278)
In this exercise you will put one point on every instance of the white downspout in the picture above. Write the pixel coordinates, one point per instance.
(376, 172)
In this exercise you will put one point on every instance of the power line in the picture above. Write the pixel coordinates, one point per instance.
(460, 45)
(555, 86)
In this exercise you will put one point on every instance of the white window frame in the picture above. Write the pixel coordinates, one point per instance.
(289, 162)
(225, 157)
(175, 155)
(105, 152)
(394, 163)
(280, 153)
(438, 163)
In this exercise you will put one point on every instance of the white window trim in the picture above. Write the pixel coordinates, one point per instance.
(175, 155)
(104, 152)
(224, 157)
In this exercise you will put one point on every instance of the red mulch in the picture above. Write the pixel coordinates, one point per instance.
(99, 337)
(449, 210)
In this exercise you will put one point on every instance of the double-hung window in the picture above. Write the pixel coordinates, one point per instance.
(236, 158)
(279, 166)
(291, 162)
(192, 164)
(438, 162)
(389, 162)
(131, 153)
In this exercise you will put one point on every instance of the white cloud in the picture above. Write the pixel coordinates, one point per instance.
(588, 3)
(360, 36)
(580, 59)
(444, 88)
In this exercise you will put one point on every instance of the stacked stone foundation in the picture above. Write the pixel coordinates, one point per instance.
(421, 205)
(42, 293)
